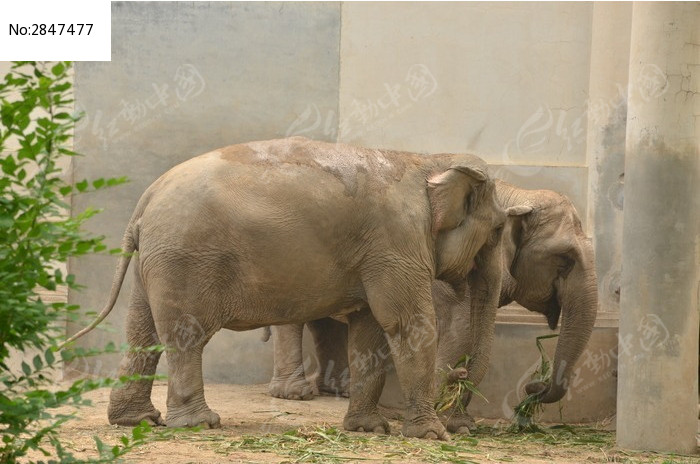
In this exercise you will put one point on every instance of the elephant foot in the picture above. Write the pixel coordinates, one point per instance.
(366, 423)
(333, 391)
(205, 418)
(458, 422)
(430, 429)
(291, 389)
(334, 383)
(130, 416)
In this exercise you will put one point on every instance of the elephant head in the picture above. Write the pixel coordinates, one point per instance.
(548, 267)
(468, 222)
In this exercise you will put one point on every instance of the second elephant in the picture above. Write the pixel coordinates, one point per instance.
(547, 267)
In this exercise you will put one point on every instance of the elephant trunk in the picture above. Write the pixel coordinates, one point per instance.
(508, 288)
(578, 298)
(485, 291)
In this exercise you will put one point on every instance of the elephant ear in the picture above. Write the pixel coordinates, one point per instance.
(518, 210)
(517, 216)
(449, 192)
(513, 231)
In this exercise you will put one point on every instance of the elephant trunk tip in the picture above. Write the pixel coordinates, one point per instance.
(547, 393)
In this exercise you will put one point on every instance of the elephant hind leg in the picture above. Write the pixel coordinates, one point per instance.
(288, 379)
(185, 334)
(130, 404)
(331, 340)
(186, 404)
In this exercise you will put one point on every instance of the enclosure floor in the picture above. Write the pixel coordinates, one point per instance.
(248, 410)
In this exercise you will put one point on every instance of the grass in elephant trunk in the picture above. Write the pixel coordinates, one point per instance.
(527, 410)
(455, 386)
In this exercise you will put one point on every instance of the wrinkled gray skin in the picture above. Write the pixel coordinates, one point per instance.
(287, 231)
(547, 266)
(330, 340)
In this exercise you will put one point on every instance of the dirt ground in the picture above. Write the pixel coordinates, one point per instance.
(253, 427)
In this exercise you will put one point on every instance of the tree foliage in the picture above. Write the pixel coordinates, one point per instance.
(37, 233)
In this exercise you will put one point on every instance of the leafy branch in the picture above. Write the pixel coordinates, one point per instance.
(37, 234)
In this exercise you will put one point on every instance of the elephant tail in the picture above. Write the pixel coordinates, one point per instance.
(267, 333)
(129, 245)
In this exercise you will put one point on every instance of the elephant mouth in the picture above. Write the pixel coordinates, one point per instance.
(552, 311)
(471, 266)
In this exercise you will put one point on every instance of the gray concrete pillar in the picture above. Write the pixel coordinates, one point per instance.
(658, 364)
(605, 144)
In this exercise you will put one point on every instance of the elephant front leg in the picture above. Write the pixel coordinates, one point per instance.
(417, 383)
(458, 421)
(331, 340)
(367, 352)
(456, 418)
(405, 311)
(288, 379)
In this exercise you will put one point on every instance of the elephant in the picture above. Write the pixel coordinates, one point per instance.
(547, 266)
(290, 230)
(331, 348)
(452, 310)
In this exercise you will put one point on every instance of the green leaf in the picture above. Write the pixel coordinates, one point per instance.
(22, 121)
(50, 358)
(99, 444)
(83, 247)
(65, 190)
(117, 181)
(38, 363)
(58, 69)
(446, 447)
(471, 440)
(82, 185)
(98, 183)
(26, 369)
(61, 88)
(9, 165)
(139, 432)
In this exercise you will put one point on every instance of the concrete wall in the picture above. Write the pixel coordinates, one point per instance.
(511, 82)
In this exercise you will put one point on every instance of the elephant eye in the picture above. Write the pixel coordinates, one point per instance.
(496, 236)
(498, 230)
(566, 263)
